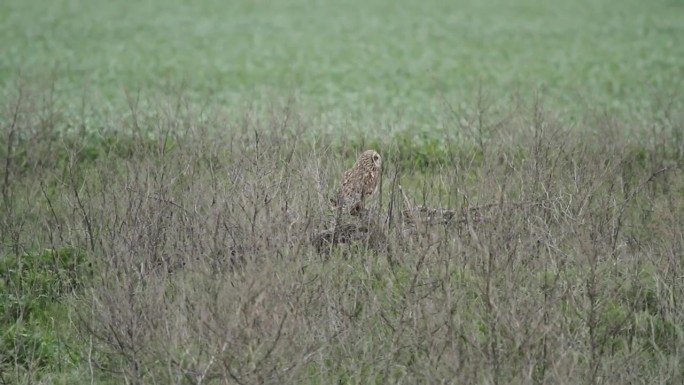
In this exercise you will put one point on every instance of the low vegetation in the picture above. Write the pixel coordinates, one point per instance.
(175, 246)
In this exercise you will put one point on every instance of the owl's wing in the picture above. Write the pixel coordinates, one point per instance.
(347, 178)
(370, 184)
(351, 190)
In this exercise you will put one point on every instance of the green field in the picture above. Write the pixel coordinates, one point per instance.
(166, 170)
(368, 64)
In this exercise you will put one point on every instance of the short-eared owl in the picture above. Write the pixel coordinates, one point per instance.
(359, 183)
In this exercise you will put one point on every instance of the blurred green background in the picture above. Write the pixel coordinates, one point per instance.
(349, 63)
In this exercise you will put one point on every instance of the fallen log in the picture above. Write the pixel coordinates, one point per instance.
(349, 230)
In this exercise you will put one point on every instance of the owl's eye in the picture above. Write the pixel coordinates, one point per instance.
(376, 157)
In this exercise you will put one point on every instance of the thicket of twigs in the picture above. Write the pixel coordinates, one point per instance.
(528, 252)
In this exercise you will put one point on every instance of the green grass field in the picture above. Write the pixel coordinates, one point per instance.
(369, 64)
(166, 169)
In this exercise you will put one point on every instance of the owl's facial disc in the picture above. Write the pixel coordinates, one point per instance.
(377, 161)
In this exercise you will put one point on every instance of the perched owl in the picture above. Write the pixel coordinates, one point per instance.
(359, 183)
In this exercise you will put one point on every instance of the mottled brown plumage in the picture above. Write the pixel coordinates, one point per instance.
(359, 183)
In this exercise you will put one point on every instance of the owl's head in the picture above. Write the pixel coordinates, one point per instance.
(371, 157)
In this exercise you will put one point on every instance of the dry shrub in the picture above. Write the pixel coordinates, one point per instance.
(562, 264)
